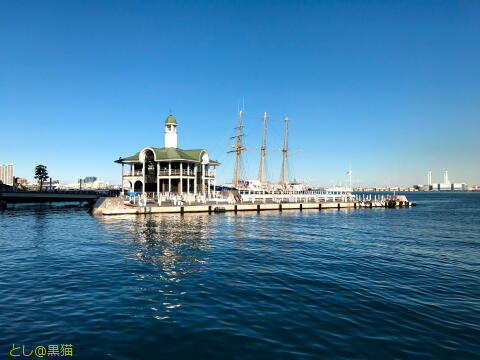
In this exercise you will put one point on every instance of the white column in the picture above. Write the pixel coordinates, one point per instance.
(169, 177)
(207, 190)
(214, 182)
(208, 183)
(188, 178)
(123, 192)
(195, 179)
(181, 178)
(158, 183)
(203, 179)
(143, 177)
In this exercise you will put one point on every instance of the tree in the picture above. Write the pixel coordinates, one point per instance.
(41, 174)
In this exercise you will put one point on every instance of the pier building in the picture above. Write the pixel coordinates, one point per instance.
(170, 170)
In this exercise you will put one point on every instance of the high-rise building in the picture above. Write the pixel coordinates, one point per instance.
(429, 178)
(6, 174)
(445, 177)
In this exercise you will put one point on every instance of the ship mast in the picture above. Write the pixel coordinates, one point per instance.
(238, 148)
(262, 149)
(284, 150)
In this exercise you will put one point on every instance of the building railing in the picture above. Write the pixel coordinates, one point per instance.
(133, 173)
(174, 172)
(293, 192)
(184, 172)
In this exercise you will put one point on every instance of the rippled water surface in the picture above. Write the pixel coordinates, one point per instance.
(348, 284)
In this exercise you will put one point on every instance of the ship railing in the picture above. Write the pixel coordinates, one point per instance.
(295, 196)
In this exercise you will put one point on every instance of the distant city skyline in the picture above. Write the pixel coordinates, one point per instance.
(387, 90)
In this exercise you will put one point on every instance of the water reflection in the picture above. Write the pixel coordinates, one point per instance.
(172, 243)
(176, 261)
(167, 250)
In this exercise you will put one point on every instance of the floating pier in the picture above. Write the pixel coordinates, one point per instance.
(112, 206)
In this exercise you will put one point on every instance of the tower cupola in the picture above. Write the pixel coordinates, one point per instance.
(170, 132)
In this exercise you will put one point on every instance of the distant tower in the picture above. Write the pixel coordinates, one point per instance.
(429, 178)
(170, 132)
(445, 177)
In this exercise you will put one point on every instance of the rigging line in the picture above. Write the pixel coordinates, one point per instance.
(291, 172)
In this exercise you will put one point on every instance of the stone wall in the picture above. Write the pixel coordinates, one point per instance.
(111, 203)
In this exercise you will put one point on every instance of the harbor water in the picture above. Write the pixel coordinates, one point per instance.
(332, 284)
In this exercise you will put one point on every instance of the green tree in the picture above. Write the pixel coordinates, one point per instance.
(41, 174)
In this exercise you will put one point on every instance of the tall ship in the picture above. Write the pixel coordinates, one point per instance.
(261, 184)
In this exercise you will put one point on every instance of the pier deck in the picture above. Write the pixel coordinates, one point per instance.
(214, 208)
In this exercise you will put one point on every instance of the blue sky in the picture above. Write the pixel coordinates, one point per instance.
(390, 89)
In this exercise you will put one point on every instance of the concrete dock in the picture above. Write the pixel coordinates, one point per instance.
(107, 207)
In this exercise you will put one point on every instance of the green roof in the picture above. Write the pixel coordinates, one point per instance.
(170, 120)
(164, 154)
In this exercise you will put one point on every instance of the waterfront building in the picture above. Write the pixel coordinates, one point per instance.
(169, 170)
(6, 174)
(84, 185)
(89, 182)
(449, 187)
(89, 179)
(21, 181)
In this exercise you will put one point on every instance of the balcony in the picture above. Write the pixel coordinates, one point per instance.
(132, 173)
(176, 172)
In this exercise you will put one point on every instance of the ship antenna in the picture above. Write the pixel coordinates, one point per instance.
(284, 150)
(262, 149)
(349, 172)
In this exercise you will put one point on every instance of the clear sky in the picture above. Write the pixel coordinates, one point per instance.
(390, 89)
